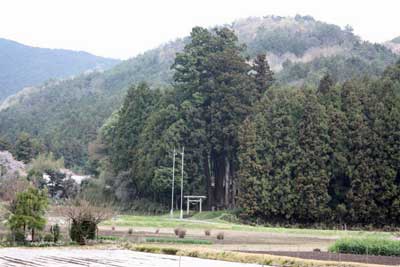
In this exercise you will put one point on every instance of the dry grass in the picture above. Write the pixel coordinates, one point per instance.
(244, 257)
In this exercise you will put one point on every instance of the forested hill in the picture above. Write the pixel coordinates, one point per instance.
(22, 66)
(396, 40)
(394, 45)
(66, 114)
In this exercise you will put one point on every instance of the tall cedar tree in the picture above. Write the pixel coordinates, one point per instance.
(249, 187)
(212, 70)
(312, 177)
(263, 76)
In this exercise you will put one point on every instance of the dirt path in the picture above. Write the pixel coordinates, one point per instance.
(71, 257)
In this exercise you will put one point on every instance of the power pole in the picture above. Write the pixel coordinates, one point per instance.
(173, 184)
(181, 215)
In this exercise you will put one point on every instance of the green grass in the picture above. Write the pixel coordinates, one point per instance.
(110, 238)
(367, 246)
(178, 241)
(215, 221)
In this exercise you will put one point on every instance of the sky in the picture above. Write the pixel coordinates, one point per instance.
(124, 28)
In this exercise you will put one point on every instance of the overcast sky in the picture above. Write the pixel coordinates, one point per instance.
(122, 28)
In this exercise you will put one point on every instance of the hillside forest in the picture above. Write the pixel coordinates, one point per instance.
(324, 150)
(322, 154)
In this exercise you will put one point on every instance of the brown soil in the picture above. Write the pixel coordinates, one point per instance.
(326, 256)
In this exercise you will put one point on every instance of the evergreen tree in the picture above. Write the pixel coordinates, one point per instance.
(312, 177)
(4, 145)
(27, 212)
(249, 185)
(211, 70)
(25, 148)
(263, 76)
(325, 84)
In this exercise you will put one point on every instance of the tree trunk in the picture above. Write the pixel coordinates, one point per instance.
(227, 182)
(33, 234)
(210, 182)
(219, 174)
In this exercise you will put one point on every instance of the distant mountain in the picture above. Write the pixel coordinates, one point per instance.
(394, 45)
(22, 66)
(396, 40)
(68, 113)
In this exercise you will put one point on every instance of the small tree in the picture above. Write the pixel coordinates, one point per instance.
(27, 211)
(55, 232)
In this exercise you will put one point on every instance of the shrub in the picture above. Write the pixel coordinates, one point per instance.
(176, 231)
(194, 254)
(220, 236)
(169, 251)
(55, 231)
(18, 236)
(48, 237)
(207, 232)
(370, 246)
(182, 233)
(85, 219)
(130, 231)
(147, 249)
(110, 238)
(82, 230)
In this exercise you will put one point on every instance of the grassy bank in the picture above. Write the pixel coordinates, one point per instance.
(178, 241)
(240, 257)
(215, 221)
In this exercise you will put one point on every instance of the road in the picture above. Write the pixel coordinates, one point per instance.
(73, 257)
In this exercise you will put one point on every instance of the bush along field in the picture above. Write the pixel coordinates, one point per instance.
(367, 246)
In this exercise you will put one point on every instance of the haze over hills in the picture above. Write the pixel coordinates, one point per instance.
(394, 45)
(300, 50)
(22, 65)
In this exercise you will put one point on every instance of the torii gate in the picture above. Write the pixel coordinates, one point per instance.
(194, 199)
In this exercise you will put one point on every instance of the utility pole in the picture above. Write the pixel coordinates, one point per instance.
(181, 215)
(173, 184)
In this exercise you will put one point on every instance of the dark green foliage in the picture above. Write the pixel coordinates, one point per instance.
(82, 230)
(27, 212)
(327, 152)
(325, 84)
(249, 182)
(54, 185)
(23, 65)
(326, 155)
(263, 76)
(55, 232)
(212, 78)
(59, 186)
(48, 238)
(202, 114)
(367, 246)
(26, 148)
(67, 114)
(4, 145)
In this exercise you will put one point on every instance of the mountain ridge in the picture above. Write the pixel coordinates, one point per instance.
(23, 66)
(300, 50)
